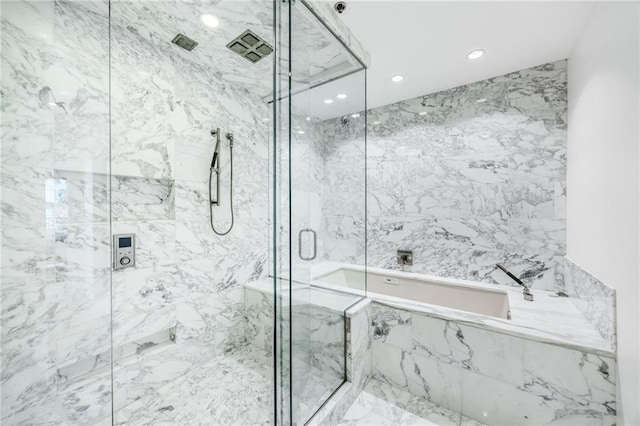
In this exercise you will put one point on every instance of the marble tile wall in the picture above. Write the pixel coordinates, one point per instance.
(592, 297)
(466, 178)
(58, 202)
(491, 377)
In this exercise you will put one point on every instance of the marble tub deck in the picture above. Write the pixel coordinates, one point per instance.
(547, 319)
(380, 404)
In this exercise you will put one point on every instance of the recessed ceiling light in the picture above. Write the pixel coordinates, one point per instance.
(341, 96)
(301, 132)
(209, 20)
(265, 119)
(308, 118)
(481, 100)
(328, 101)
(356, 115)
(475, 54)
(397, 78)
(376, 122)
(422, 113)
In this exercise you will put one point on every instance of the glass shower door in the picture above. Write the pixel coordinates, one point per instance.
(320, 209)
(190, 184)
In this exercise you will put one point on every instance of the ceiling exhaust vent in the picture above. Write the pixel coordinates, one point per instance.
(185, 42)
(250, 46)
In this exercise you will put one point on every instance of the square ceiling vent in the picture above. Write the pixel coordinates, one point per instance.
(250, 46)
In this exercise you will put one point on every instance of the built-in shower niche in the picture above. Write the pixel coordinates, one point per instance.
(84, 197)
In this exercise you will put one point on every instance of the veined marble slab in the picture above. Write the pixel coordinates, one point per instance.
(495, 378)
(592, 297)
(466, 178)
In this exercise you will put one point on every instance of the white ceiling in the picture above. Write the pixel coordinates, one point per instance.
(427, 41)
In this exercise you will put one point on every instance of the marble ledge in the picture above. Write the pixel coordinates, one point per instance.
(305, 294)
(357, 307)
(548, 319)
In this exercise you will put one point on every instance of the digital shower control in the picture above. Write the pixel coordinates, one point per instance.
(124, 251)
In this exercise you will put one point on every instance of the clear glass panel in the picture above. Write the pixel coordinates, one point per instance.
(55, 276)
(191, 321)
(312, 238)
(107, 123)
(341, 139)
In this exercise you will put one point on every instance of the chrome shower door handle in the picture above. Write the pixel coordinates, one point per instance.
(315, 248)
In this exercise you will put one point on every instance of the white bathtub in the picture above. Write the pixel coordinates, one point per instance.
(448, 293)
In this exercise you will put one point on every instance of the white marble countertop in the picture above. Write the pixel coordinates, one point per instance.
(549, 319)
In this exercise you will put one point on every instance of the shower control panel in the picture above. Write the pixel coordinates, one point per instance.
(124, 251)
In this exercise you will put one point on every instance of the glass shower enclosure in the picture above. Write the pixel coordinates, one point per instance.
(319, 204)
(119, 302)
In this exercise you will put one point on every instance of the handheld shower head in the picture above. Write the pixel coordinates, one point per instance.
(215, 168)
(215, 133)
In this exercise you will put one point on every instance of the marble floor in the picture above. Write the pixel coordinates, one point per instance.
(233, 389)
(380, 404)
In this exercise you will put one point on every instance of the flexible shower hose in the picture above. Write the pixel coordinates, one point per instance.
(211, 171)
